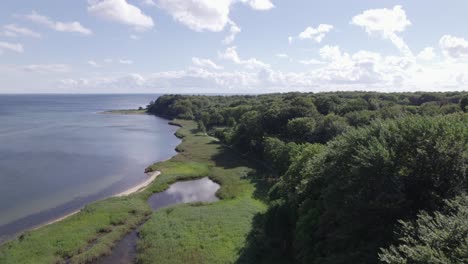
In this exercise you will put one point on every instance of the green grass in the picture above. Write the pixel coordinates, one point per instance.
(206, 233)
(198, 233)
(81, 237)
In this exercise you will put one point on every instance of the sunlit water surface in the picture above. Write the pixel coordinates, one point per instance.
(57, 153)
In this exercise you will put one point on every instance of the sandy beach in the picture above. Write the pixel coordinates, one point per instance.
(134, 189)
(140, 186)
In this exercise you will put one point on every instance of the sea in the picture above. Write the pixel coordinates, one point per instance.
(60, 152)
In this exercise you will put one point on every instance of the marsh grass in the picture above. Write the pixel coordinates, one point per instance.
(194, 233)
(202, 233)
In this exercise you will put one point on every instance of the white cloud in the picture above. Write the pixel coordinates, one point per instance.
(454, 47)
(231, 54)
(233, 31)
(16, 47)
(426, 54)
(134, 37)
(330, 52)
(290, 40)
(47, 68)
(362, 70)
(311, 62)
(343, 68)
(57, 25)
(94, 64)
(148, 2)
(208, 15)
(206, 63)
(122, 12)
(387, 22)
(199, 15)
(98, 64)
(317, 34)
(13, 30)
(282, 55)
(74, 26)
(259, 4)
(128, 62)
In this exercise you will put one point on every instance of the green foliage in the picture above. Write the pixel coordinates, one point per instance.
(279, 153)
(440, 237)
(369, 178)
(301, 129)
(387, 156)
(201, 126)
(329, 127)
(464, 103)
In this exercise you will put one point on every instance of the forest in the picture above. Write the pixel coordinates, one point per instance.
(358, 177)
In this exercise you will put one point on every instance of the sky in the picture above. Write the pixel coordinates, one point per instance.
(232, 46)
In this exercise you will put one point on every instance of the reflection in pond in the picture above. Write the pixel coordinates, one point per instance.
(202, 190)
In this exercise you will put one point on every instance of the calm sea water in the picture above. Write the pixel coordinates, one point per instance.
(58, 154)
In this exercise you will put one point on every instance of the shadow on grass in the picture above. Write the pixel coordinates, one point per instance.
(265, 243)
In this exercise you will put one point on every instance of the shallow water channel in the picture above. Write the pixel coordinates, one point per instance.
(201, 190)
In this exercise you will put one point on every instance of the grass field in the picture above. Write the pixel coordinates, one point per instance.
(198, 233)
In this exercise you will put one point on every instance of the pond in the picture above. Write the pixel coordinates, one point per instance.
(201, 190)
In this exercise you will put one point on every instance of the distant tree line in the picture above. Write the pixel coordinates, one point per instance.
(362, 177)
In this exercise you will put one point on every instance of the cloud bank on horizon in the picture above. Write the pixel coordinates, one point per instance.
(231, 46)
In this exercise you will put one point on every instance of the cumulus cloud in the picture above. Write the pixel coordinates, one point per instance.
(209, 15)
(454, 47)
(386, 22)
(317, 34)
(122, 12)
(57, 25)
(231, 54)
(233, 31)
(259, 4)
(339, 70)
(331, 53)
(16, 47)
(199, 15)
(13, 30)
(311, 62)
(205, 63)
(426, 54)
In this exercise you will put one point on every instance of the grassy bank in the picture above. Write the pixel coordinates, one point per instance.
(212, 233)
(209, 233)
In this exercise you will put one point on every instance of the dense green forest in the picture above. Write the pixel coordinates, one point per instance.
(360, 177)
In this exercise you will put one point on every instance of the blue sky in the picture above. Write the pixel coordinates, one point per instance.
(232, 46)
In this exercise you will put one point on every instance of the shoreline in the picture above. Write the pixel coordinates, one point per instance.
(135, 189)
(140, 187)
